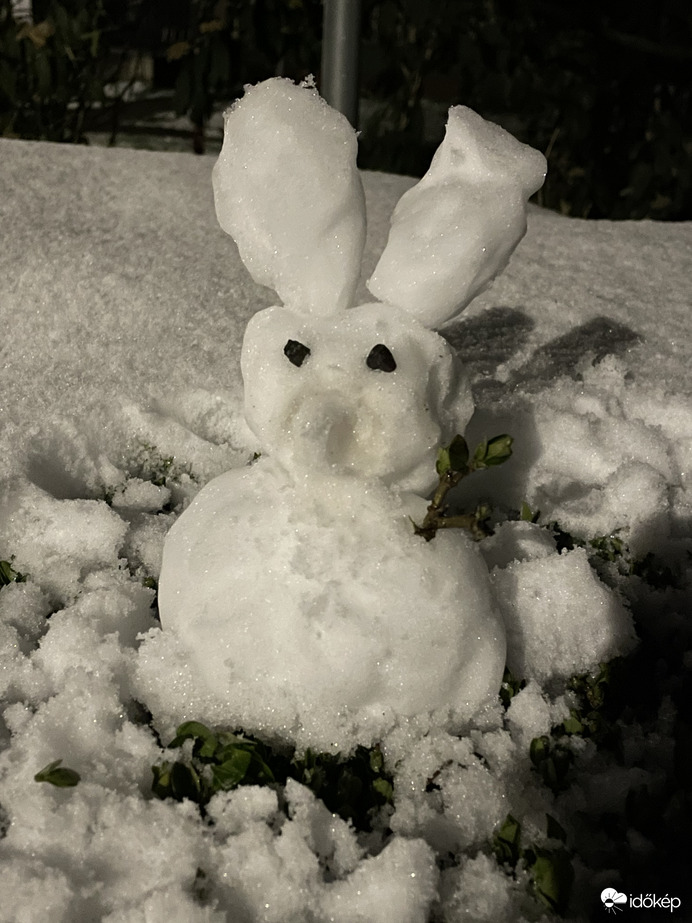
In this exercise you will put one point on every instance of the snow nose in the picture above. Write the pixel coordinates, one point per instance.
(340, 439)
(323, 431)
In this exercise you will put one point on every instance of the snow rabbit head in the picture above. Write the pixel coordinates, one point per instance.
(370, 390)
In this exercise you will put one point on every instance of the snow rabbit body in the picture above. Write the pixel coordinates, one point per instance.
(296, 586)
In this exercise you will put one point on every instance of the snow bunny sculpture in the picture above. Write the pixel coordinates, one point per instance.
(296, 587)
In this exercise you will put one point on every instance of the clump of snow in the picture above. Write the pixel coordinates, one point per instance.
(593, 625)
(532, 713)
(126, 352)
(480, 892)
(58, 541)
(136, 494)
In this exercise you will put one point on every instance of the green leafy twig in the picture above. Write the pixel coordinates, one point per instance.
(58, 775)
(455, 462)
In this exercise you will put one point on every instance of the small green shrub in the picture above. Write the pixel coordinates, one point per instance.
(550, 869)
(217, 761)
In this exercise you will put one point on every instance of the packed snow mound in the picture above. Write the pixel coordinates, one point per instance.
(593, 626)
(59, 541)
(287, 190)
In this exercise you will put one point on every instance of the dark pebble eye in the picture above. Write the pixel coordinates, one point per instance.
(381, 359)
(295, 352)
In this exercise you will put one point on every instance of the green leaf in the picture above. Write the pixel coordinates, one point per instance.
(190, 730)
(458, 453)
(479, 454)
(384, 788)
(573, 725)
(208, 748)
(161, 786)
(9, 575)
(498, 450)
(526, 515)
(552, 761)
(552, 876)
(506, 842)
(162, 779)
(443, 463)
(185, 782)
(58, 775)
(376, 760)
(177, 780)
(263, 771)
(510, 687)
(539, 749)
(493, 452)
(555, 829)
(232, 771)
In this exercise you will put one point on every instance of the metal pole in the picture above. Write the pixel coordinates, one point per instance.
(340, 40)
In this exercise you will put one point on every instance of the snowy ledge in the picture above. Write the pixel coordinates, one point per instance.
(123, 306)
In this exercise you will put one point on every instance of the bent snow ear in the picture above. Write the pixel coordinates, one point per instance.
(287, 190)
(454, 231)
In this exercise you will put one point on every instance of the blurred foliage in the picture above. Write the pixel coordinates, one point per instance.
(233, 42)
(50, 69)
(601, 87)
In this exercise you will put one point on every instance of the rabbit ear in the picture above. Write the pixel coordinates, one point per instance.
(287, 190)
(454, 231)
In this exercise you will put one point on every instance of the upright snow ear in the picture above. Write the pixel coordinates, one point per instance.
(287, 190)
(454, 231)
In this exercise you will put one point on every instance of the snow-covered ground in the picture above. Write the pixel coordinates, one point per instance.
(123, 306)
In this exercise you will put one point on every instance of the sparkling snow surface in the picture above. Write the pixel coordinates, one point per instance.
(123, 308)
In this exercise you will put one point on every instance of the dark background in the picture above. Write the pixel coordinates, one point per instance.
(602, 87)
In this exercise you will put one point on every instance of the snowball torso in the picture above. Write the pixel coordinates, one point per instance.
(313, 600)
